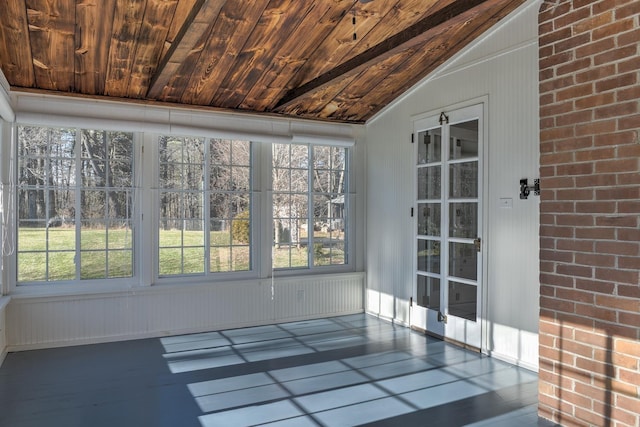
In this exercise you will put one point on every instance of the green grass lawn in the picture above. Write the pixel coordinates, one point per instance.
(108, 254)
(98, 260)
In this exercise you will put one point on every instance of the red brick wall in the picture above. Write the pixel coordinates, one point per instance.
(590, 212)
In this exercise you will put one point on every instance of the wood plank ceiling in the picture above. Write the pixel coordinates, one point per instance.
(340, 60)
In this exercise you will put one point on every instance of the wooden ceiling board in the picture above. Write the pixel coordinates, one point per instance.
(52, 37)
(94, 21)
(321, 104)
(377, 63)
(127, 21)
(408, 38)
(234, 24)
(339, 45)
(382, 78)
(350, 100)
(331, 101)
(153, 32)
(180, 16)
(288, 57)
(279, 19)
(459, 33)
(179, 62)
(373, 26)
(17, 64)
(356, 102)
(300, 44)
(402, 15)
(309, 100)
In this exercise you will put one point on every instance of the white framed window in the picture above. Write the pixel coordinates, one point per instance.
(75, 204)
(204, 206)
(310, 205)
(91, 205)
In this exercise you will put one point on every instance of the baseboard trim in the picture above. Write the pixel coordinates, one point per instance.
(513, 361)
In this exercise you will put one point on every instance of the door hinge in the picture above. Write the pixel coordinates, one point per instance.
(410, 301)
(477, 243)
(411, 212)
(412, 138)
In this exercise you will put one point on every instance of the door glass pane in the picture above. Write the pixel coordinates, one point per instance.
(463, 259)
(463, 220)
(429, 183)
(429, 146)
(463, 300)
(428, 292)
(463, 140)
(463, 180)
(429, 256)
(429, 219)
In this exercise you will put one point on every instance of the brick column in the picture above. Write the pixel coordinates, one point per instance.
(590, 212)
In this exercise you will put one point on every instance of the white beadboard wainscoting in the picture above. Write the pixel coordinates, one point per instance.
(52, 321)
(4, 301)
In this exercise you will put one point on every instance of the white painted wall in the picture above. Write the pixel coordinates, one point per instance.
(4, 300)
(503, 67)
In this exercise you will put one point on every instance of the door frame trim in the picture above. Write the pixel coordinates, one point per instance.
(484, 196)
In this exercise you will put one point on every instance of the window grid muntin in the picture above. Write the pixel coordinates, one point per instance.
(336, 204)
(126, 244)
(233, 194)
(207, 194)
(290, 165)
(62, 146)
(323, 237)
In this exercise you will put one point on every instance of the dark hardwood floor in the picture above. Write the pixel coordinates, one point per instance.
(341, 371)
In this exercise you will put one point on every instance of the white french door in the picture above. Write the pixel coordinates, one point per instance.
(448, 225)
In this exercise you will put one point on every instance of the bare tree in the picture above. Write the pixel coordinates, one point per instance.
(290, 181)
(183, 162)
(107, 165)
(45, 173)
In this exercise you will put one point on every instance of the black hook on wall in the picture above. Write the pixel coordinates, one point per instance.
(443, 119)
(525, 188)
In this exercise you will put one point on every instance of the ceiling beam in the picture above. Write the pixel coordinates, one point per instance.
(410, 37)
(200, 19)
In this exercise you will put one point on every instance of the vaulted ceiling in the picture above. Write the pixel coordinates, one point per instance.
(340, 60)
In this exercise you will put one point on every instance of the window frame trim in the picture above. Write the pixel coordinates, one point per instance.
(349, 195)
(205, 277)
(69, 286)
(144, 219)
